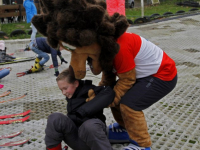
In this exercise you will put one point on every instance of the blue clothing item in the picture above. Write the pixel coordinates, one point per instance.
(117, 134)
(43, 46)
(135, 147)
(34, 31)
(30, 8)
(4, 73)
(42, 55)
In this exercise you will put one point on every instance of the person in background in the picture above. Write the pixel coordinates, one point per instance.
(41, 47)
(31, 10)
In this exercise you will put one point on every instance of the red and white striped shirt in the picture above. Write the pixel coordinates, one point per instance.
(147, 58)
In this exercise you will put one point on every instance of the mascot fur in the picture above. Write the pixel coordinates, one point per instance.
(86, 25)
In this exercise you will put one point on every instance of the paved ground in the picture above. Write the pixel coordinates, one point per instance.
(174, 121)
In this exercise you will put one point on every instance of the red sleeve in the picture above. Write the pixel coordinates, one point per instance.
(123, 61)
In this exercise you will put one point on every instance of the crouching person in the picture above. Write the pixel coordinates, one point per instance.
(83, 128)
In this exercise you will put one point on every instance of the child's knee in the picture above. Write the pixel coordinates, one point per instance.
(90, 127)
(54, 117)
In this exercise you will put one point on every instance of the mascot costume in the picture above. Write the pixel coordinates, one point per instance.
(145, 72)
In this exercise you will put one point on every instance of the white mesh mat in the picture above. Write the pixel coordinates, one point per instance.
(174, 121)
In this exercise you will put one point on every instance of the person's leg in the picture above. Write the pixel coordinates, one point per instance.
(60, 127)
(34, 31)
(144, 93)
(147, 91)
(41, 55)
(4, 73)
(93, 133)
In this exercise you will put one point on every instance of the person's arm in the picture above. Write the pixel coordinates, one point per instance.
(124, 83)
(54, 60)
(61, 58)
(98, 103)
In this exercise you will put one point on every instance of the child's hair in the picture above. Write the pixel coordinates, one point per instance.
(67, 75)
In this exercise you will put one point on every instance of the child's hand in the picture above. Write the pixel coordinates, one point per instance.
(91, 95)
(56, 73)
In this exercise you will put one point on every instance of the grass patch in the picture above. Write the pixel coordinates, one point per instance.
(131, 13)
(8, 28)
(163, 7)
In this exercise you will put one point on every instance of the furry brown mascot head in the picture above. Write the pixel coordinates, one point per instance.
(82, 23)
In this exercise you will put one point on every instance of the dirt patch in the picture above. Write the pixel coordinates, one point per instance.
(192, 50)
(190, 22)
(189, 64)
(44, 108)
(20, 26)
(197, 75)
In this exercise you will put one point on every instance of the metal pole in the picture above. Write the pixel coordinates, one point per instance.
(142, 8)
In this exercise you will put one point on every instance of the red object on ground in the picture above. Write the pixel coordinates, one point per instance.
(5, 93)
(1, 86)
(15, 120)
(15, 143)
(16, 115)
(11, 135)
(12, 99)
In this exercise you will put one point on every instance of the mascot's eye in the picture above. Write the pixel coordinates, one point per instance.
(68, 47)
(89, 60)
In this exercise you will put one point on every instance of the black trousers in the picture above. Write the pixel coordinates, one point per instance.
(91, 135)
(147, 91)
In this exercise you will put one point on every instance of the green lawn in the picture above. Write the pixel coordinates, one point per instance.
(8, 28)
(132, 14)
(163, 7)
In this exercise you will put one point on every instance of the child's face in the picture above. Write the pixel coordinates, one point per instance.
(67, 89)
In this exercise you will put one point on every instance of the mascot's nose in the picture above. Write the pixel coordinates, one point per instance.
(78, 74)
(71, 70)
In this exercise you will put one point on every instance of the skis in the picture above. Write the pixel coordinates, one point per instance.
(16, 115)
(12, 99)
(11, 135)
(14, 120)
(15, 143)
(19, 59)
(5, 93)
(20, 74)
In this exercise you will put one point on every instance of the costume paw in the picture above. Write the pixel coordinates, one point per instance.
(115, 102)
(91, 95)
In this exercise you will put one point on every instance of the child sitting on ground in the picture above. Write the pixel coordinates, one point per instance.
(84, 126)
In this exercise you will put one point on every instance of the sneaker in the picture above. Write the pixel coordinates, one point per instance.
(117, 134)
(134, 147)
